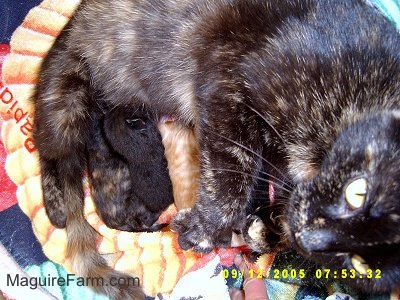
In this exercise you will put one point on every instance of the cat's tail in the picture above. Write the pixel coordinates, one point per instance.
(64, 200)
(63, 101)
(91, 266)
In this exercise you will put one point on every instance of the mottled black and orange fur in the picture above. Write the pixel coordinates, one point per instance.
(310, 86)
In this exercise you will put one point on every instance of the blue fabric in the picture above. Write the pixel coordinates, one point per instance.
(17, 236)
(12, 13)
(390, 8)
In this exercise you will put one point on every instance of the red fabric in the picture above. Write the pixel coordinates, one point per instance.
(7, 187)
(226, 254)
(4, 50)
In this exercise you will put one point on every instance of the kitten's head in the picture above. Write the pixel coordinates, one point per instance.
(348, 215)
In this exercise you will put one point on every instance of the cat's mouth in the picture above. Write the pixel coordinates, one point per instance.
(323, 245)
(352, 261)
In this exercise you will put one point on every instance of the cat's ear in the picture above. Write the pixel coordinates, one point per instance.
(136, 123)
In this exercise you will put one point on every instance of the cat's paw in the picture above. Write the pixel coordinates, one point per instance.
(198, 234)
(191, 234)
(259, 236)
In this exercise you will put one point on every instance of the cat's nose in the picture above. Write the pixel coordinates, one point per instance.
(315, 240)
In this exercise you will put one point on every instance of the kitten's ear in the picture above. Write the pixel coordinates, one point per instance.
(136, 123)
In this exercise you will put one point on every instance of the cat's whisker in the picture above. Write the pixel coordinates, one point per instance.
(278, 182)
(248, 174)
(270, 205)
(282, 180)
(266, 121)
(281, 186)
(280, 202)
(251, 151)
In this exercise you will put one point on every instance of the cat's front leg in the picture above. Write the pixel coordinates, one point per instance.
(229, 159)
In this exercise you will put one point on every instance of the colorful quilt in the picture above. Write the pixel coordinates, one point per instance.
(32, 258)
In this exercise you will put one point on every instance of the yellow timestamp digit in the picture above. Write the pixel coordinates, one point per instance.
(370, 274)
(289, 273)
(322, 273)
(234, 273)
(255, 274)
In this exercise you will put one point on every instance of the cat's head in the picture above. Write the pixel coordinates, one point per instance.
(347, 217)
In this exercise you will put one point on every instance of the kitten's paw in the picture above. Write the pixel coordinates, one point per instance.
(259, 237)
(195, 232)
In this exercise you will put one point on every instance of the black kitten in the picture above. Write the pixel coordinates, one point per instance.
(310, 86)
(128, 170)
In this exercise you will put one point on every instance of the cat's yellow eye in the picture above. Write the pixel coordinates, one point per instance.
(356, 193)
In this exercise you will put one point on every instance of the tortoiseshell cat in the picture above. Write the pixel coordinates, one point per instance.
(311, 86)
(128, 170)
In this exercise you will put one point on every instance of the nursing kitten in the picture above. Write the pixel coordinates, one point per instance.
(311, 86)
(128, 171)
